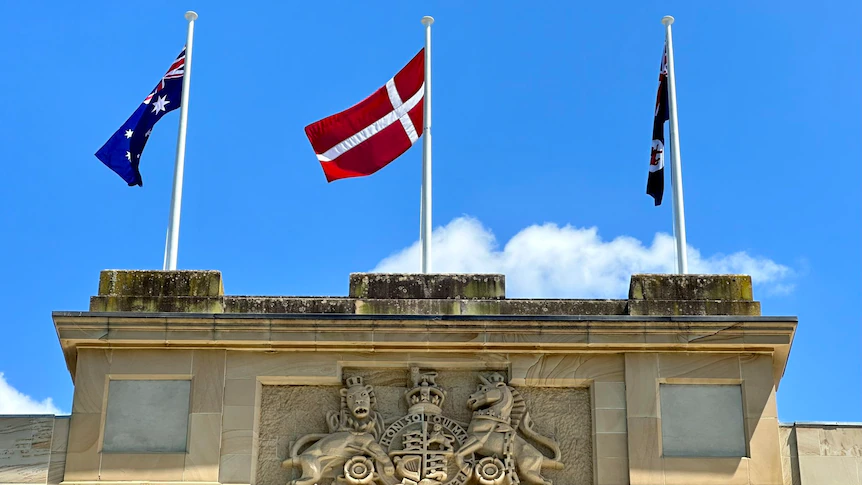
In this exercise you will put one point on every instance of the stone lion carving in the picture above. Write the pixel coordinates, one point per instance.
(358, 410)
(499, 412)
(353, 434)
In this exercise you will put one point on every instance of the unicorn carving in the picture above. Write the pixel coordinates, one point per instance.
(499, 413)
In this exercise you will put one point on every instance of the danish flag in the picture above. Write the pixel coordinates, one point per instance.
(366, 137)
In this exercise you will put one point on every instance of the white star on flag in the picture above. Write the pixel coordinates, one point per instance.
(160, 103)
(129, 133)
(129, 156)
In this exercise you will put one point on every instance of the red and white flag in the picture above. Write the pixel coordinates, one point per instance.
(365, 138)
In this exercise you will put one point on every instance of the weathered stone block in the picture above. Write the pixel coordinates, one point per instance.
(562, 307)
(182, 304)
(159, 291)
(690, 287)
(425, 286)
(279, 304)
(408, 307)
(694, 307)
(160, 283)
(489, 307)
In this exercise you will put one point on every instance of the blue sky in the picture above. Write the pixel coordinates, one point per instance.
(542, 129)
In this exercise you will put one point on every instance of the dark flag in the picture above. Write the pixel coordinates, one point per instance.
(655, 182)
(122, 152)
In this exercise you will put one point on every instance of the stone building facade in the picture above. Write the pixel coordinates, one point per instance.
(424, 380)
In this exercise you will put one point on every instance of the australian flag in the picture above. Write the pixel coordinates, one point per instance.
(122, 152)
(655, 182)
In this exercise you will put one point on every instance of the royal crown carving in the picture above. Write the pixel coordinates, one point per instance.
(424, 447)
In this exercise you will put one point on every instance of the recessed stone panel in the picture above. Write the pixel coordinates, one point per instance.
(289, 413)
(131, 426)
(702, 420)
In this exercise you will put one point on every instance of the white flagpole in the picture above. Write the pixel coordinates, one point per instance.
(425, 223)
(675, 161)
(177, 193)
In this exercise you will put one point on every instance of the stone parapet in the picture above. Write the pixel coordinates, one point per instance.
(428, 286)
(489, 307)
(422, 294)
(288, 304)
(693, 307)
(160, 283)
(670, 294)
(150, 304)
(690, 287)
(159, 291)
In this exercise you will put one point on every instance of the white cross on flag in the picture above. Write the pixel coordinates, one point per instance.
(366, 137)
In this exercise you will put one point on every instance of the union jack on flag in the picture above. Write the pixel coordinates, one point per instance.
(176, 71)
(122, 152)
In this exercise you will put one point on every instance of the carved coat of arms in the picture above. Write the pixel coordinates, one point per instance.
(425, 447)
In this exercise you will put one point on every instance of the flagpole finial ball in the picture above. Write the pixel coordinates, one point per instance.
(426, 20)
(667, 20)
(191, 15)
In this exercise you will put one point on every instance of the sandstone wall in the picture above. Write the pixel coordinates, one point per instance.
(33, 449)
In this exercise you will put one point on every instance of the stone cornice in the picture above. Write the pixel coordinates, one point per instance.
(355, 316)
(427, 333)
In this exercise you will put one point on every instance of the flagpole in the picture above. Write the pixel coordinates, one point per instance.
(675, 161)
(425, 223)
(172, 243)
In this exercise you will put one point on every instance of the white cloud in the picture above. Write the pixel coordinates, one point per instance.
(12, 401)
(549, 261)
